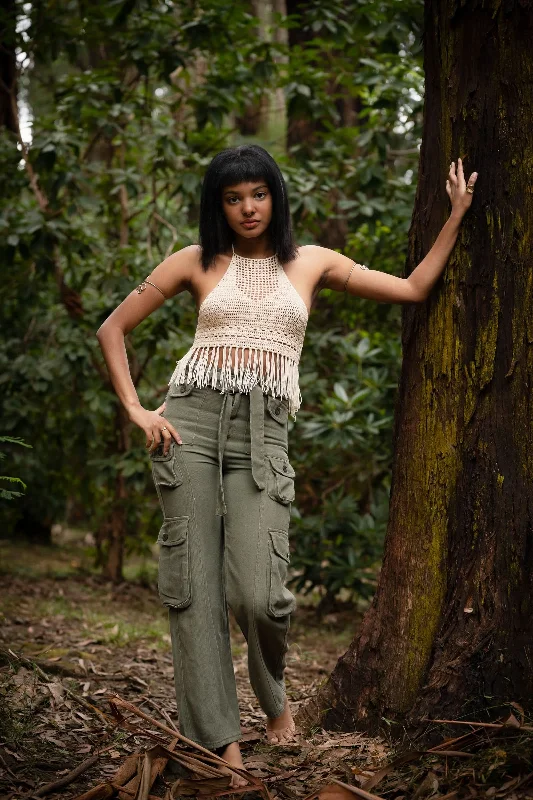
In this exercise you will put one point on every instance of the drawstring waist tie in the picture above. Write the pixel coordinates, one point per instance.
(229, 409)
(231, 400)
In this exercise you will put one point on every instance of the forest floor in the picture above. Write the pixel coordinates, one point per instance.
(69, 640)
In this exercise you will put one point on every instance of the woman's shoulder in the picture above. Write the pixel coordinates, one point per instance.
(185, 260)
(307, 268)
(313, 258)
(312, 252)
(191, 253)
(176, 272)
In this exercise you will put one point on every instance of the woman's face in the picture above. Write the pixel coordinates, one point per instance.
(248, 208)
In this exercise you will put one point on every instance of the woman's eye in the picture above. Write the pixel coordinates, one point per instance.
(233, 200)
(261, 195)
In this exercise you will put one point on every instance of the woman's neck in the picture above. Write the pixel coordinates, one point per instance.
(258, 247)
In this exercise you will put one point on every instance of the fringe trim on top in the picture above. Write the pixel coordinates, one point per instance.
(276, 374)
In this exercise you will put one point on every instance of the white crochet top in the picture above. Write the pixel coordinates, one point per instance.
(254, 307)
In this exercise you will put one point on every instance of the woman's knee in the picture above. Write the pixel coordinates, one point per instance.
(263, 610)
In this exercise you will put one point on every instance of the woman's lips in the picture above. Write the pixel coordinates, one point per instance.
(249, 224)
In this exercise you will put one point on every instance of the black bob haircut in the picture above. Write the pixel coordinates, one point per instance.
(242, 164)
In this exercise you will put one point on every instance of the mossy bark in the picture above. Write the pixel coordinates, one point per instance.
(450, 630)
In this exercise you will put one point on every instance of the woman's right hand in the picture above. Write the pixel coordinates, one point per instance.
(156, 427)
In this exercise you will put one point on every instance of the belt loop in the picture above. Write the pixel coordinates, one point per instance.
(257, 436)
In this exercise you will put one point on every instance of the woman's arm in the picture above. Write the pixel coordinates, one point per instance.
(172, 276)
(385, 288)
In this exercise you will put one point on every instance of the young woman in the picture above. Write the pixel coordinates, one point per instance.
(218, 443)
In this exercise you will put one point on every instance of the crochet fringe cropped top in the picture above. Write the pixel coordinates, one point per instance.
(254, 307)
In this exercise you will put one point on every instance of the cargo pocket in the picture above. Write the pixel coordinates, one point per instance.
(184, 406)
(280, 600)
(277, 410)
(174, 583)
(167, 477)
(180, 389)
(164, 467)
(281, 480)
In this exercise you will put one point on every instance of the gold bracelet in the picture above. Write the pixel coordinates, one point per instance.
(142, 286)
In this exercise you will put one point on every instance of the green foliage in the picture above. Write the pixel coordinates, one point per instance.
(342, 445)
(9, 494)
(129, 104)
(340, 548)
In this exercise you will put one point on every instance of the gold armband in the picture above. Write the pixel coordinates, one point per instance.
(361, 266)
(142, 286)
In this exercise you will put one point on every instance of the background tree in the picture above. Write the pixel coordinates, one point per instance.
(450, 629)
(8, 65)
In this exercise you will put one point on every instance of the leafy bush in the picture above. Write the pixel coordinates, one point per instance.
(342, 451)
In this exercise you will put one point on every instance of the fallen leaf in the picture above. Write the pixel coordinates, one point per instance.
(56, 690)
(429, 786)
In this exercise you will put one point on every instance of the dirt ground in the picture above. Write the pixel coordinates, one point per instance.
(93, 638)
(70, 640)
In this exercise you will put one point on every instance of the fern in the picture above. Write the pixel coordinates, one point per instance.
(9, 494)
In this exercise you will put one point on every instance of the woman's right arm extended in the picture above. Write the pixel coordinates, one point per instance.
(172, 276)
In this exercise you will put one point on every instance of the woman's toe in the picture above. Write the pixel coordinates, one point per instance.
(280, 736)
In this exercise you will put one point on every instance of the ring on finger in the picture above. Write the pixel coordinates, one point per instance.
(165, 428)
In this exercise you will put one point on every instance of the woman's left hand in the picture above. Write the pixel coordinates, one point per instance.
(456, 188)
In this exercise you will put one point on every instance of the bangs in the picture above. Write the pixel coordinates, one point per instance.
(241, 169)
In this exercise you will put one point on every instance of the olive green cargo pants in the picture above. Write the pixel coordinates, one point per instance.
(225, 494)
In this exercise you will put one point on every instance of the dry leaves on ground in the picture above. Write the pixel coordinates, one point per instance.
(59, 736)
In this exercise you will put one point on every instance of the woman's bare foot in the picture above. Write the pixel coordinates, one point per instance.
(282, 729)
(232, 754)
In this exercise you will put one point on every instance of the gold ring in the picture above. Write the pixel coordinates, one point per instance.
(164, 429)
(470, 189)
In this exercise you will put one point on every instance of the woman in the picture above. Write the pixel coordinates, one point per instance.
(218, 443)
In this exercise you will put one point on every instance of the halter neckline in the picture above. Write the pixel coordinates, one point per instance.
(271, 259)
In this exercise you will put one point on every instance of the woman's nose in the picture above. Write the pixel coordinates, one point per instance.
(248, 206)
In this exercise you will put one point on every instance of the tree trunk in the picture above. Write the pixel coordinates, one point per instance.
(115, 531)
(300, 129)
(257, 118)
(112, 534)
(450, 630)
(8, 66)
